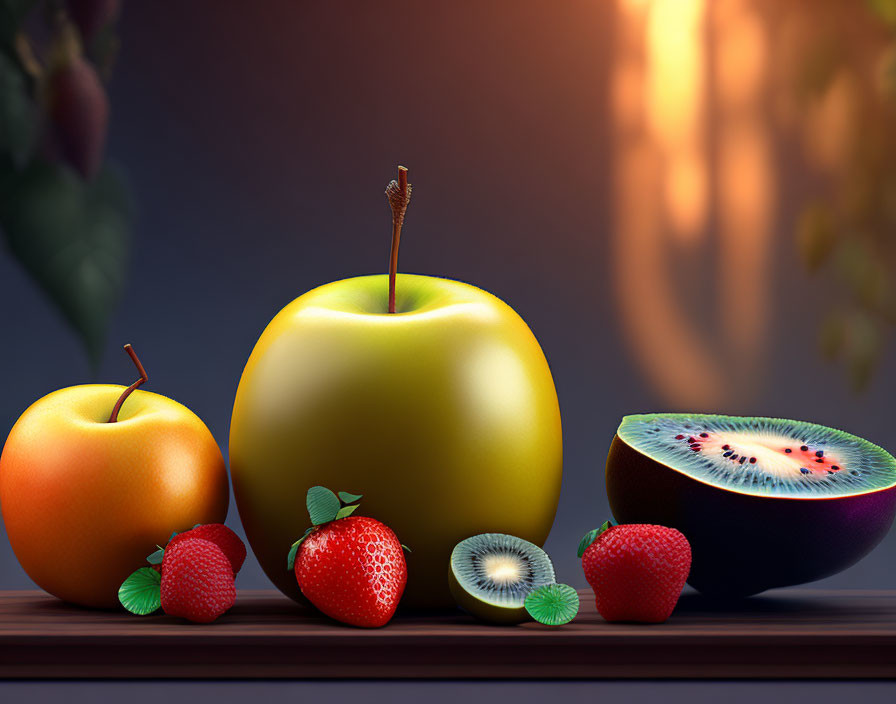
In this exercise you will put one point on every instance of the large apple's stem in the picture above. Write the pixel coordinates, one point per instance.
(399, 195)
(127, 392)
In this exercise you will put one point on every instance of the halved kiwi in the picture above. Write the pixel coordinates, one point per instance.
(764, 502)
(491, 574)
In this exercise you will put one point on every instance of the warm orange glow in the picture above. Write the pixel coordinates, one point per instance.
(745, 181)
(675, 64)
(740, 50)
(660, 330)
(675, 87)
(830, 122)
(628, 98)
(667, 183)
(685, 197)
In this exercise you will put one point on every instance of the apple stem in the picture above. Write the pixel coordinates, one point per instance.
(399, 195)
(128, 391)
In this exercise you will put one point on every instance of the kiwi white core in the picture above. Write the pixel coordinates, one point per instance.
(762, 456)
(500, 569)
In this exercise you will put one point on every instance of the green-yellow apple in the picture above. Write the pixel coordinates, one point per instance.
(442, 414)
(89, 484)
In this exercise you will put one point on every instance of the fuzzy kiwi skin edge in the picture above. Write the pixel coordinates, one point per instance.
(481, 610)
(744, 544)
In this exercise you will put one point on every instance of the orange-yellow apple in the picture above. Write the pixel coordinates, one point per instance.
(442, 414)
(87, 491)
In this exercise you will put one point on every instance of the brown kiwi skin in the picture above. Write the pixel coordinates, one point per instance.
(743, 544)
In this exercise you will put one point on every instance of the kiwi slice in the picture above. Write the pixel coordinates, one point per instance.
(491, 575)
(553, 604)
(762, 456)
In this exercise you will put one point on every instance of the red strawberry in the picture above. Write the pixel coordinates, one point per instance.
(197, 581)
(220, 535)
(637, 571)
(352, 568)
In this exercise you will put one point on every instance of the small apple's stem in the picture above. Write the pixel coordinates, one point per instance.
(128, 391)
(399, 195)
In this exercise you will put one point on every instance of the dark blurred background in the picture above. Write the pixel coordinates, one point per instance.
(662, 189)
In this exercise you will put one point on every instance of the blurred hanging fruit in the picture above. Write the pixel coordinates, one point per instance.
(64, 214)
(78, 108)
(816, 236)
(92, 15)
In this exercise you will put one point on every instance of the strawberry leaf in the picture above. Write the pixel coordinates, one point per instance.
(322, 504)
(141, 593)
(293, 551)
(347, 498)
(405, 548)
(156, 557)
(345, 511)
(586, 540)
(591, 536)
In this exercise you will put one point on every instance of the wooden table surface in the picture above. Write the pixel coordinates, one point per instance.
(783, 634)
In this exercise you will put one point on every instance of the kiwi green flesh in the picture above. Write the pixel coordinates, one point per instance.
(490, 575)
(762, 456)
(744, 543)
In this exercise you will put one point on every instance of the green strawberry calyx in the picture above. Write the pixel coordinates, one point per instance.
(157, 557)
(593, 535)
(323, 507)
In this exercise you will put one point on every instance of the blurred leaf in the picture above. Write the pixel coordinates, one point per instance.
(885, 10)
(815, 236)
(888, 203)
(855, 264)
(73, 238)
(863, 349)
(103, 50)
(12, 12)
(18, 116)
(818, 69)
(875, 287)
(886, 72)
(833, 335)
